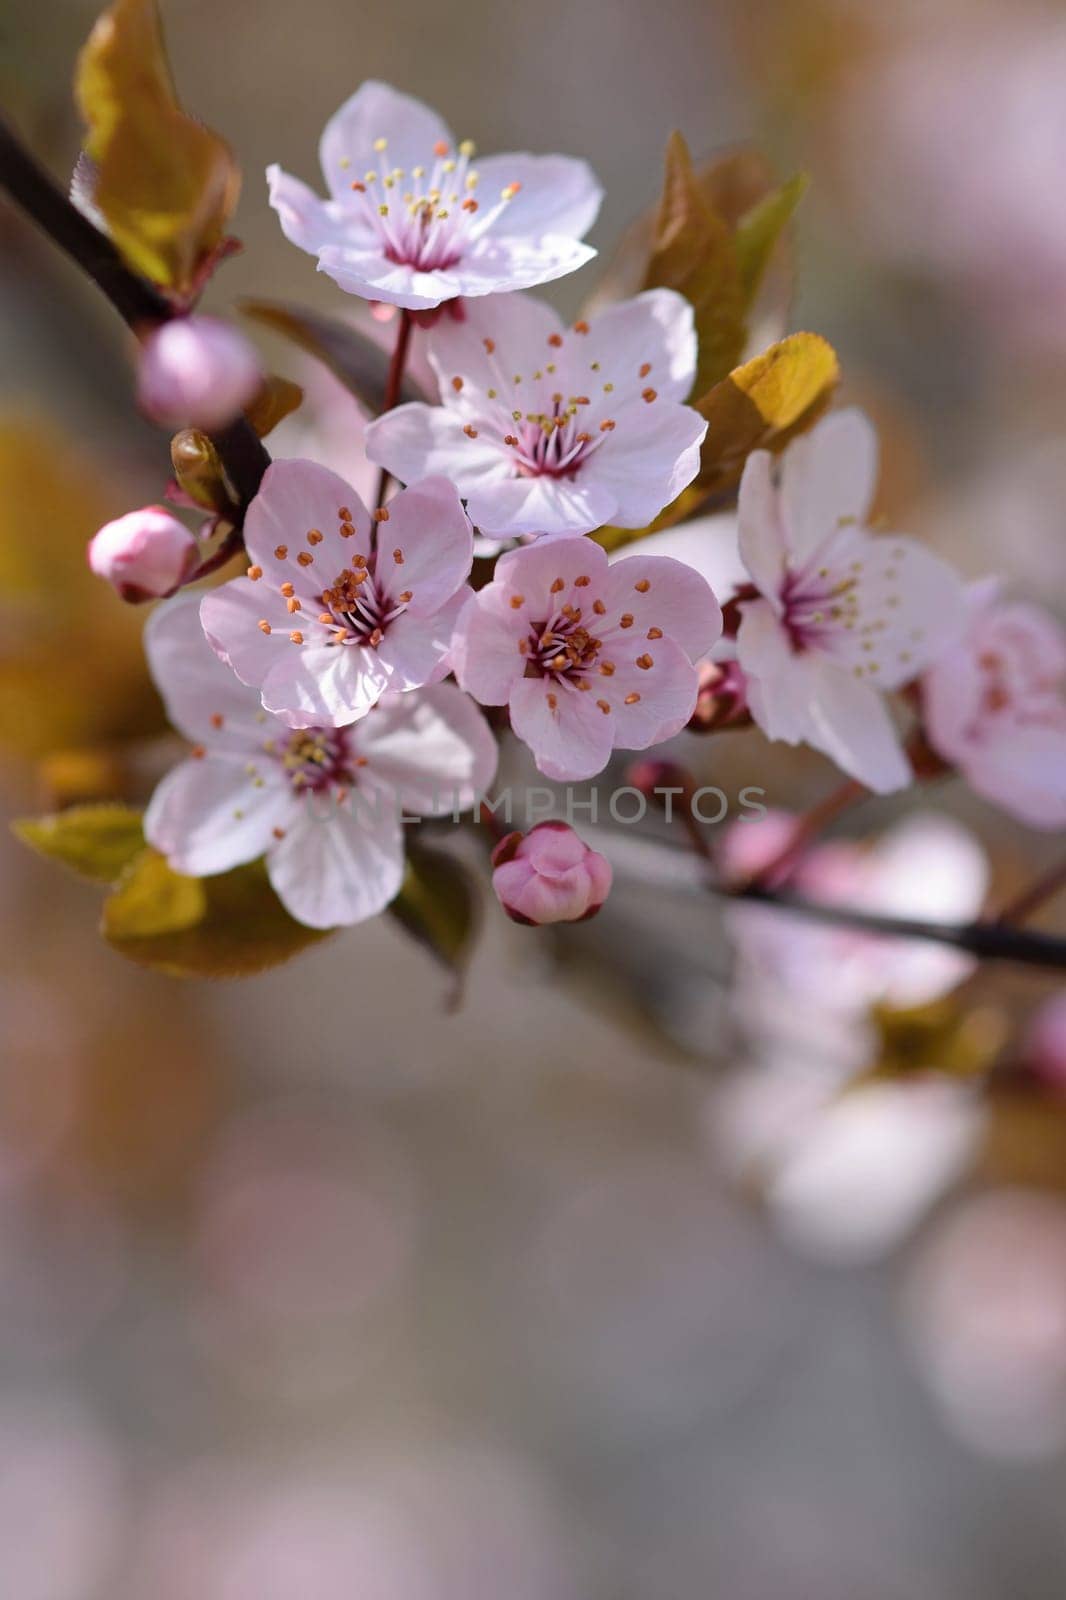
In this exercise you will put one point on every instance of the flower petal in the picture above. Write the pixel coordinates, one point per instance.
(297, 499)
(519, 328)
(649, 340)
(558, 194)
(760, 535)
(779, 682)
(417, 650)
(1024, 772)
(543, 505)
(651, 456)
(204, 699)
(911, 609)
(648, 703)
(827, 476)
(434, 748)
(431, 543)
(343, 866)
(366, 270)
(307, 221)
(374, 112)
(485, 656)
(231, 616)
(850, 723)
(417, 439)
(570, 740)
(212, 814)
(325, 687)
(500, 265)
(666, 596)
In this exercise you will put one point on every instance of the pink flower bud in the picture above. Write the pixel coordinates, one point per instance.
(549, 875)
(144, 554)
(197, 372)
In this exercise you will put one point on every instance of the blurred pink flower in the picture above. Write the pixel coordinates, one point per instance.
(327, 618)
(145, 554)
(323, 804)
(551, 430)
(549, 875)
(403, 222)
(994, 706)
(197, 372)
(589, 657)
(842, 615)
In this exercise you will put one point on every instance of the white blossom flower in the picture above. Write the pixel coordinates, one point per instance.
(553, 430)
(324, 805)
(841, 614)
(412, 220)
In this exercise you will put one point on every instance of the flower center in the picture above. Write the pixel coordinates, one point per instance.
(358, 608)
(561, 648)
(426, 217)
(318, 759)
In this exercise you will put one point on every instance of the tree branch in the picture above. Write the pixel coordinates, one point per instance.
(138, 302)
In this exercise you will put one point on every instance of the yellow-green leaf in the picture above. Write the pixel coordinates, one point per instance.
(759, 231)
(692, 252)
(97, 841)
(229, 926)
(764, 404)
(355, 360)
(166, 186)
(438, 905)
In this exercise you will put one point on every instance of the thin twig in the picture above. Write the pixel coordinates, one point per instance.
(394, 386)
(1032, 898)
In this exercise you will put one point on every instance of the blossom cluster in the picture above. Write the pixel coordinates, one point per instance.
(322, 677)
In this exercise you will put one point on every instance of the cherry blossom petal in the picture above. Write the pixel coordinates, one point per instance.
(910, 609)
(370, 273)
(459, 349)
(828, 476)
(545, 505)
(306, 221)
(665, 596)
(779, 682)
(425, 547)
(651, 337)
(653, 454)
(500, 265)
(558, 194)
(850, 723)
(416, 439)
(295, 499)
(211, 814)
(329, 686)
(434, 748)
(231, 617)
(485, 656)
(204, 699)
(571, 739)
(535, 568)
(415, 650)
(1024, 771)
(760, 536)
(341, 865)
(707, 544)
(951, 700)
(374, 112)
(649, 703)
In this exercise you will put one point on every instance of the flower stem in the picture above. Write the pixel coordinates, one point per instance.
(394, 386)
(1032, 898)
(139, 303)
(807, 829)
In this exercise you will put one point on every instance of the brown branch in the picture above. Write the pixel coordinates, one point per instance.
(138, 302)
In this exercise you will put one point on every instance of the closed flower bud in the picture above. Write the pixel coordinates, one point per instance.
(144, 554)
(197, 372)
(549, 875)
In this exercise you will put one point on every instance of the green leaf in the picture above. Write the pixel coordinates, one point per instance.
(438, 905)
(764, 404)
(229, 926)
(96, 841)
(166, 186)
(759, 230)
(353, 358)
(692, 252)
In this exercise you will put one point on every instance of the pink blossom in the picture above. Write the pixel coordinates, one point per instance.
(588, 656)
(144, 554)
(329, 617)
(994, 706)
(842, 615)
(411, 219)
(322, 804)
(197, 372)
(554, 430)
(549, 875)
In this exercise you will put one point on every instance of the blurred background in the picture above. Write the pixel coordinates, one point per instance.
(309, 1289)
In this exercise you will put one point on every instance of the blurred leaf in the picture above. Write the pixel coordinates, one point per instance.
(692, 252)
(276, 400)
(72, 671)
(199, 471)
(98, 841)
(949, 1036)
(759, 231)
(352, 357)
(93, 774)
(165, 184)
(764, 404)
(438, 905)
(229, 926)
